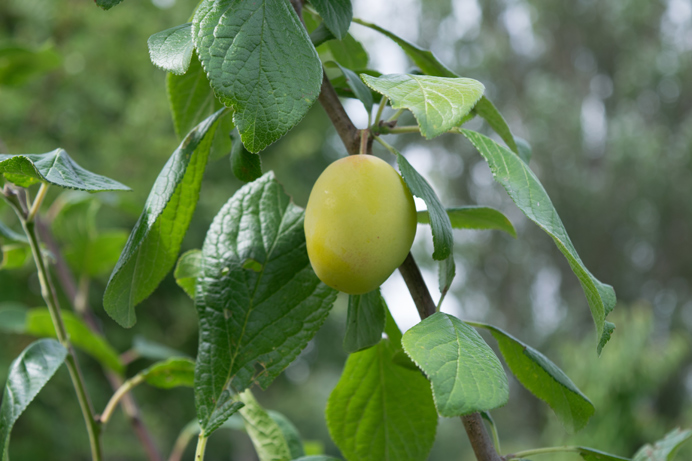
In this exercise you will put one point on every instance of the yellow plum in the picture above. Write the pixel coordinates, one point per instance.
(360, 222)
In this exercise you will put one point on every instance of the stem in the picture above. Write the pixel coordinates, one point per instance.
(37, 202)
(386, 145)
(541, 451)
(189, 431)
(476, 431)
(337, 114)
(201, 446)
(364, 138)
(396, 116)
(49, 296)
(380, 109)
(384, 129)
(119, 394)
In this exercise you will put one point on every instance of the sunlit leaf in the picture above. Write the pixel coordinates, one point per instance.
(172, 49)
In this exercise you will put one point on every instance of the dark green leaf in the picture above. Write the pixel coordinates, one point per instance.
(365, 321)
(152, 350)
(345, 91)
(665, 449)
(438, 103)
(19, 65)
(358, 88)
(474, 217)
(446, 274)
(465, 373)
(424, 59)
(245, 165)
(224, 408)
(266, 435)
(260, 61)
(489, 112)
(443, 240)
(589, 454)
(190, 97)
(187, 270)
(394, 335)
(14, 256)
(526, 191)
(55, 168)
(253, 324)
(290, 433)
(381, 411)
(336, 14)
(320, 35)
(348, 52)
(171, 49)
(544, 379)
(153, 246)
(28, 374)
(39, 323)
(107, 4)
(9, 235)
(174, 372)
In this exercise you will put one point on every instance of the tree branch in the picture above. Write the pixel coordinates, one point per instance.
(478, 435)
(348, 132)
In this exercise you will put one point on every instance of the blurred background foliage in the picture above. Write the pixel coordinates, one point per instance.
(601, 89)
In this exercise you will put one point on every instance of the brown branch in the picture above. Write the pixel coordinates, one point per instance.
(478, 435)
(348, 132)
(69, 286)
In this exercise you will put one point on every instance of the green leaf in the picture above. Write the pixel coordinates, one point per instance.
(438, 103)
(380, 411)
(224, 408)
(253, 324)
(97, 256)
(187, 270)
(348, 52)
(446, 273)
(443, 240)
(190, 97)
(489, 112)
(357, 86)
(266, 435)
(174, 372)
(14, 256)
(39, 323)
(524, 149)
(13, 318)
(424, 59)
(57, 168)
(28, 374)
(11, 236)
(465, 373)
(152, 350)
(317, 458)
(290, 433)
(19, 64)
(260, 61)
(153, 246)
(365, 321)
(526, 191)
(589, 454)
(245, 165)
(474, 217)
(344, 90)
(107, 4)
(336, 14)
(171, 49)
(544, 380)
(665, 449)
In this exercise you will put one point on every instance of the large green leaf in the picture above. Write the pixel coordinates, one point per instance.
(259, 302)
(153, 246)
(443, 240)
(260, 61)
(172, 49)
(365, 321)
(187, 270)
(266, 434)
(526, 191)
(39, 323)
(55, 167)
(474, 217)
(489, 112)
(465, 373)
(190, 97)
(19, 64)
(666, 448)
(380, 411)
(438, 103)
(544, 379)
(290, 433)
(348, 52)
(174, 372)
(28, 374)
(337, 15)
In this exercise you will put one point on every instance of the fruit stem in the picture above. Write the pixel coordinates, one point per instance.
(119, 394)
(380, 109)
(364, 138)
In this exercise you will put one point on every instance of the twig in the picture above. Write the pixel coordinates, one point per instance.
(348, 132)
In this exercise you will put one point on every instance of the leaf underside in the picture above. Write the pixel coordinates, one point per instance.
(266, 434)
(254, 318)
(666, 448)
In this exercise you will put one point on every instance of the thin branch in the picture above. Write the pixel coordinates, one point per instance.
(478, 435)
(348, 132)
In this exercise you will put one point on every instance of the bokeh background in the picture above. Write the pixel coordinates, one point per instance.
(601, 89)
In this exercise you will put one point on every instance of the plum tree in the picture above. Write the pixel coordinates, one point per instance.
(360, 222)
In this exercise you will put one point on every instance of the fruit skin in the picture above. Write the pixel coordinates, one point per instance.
(360, 222)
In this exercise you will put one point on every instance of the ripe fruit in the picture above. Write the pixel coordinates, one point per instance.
(359, 223)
